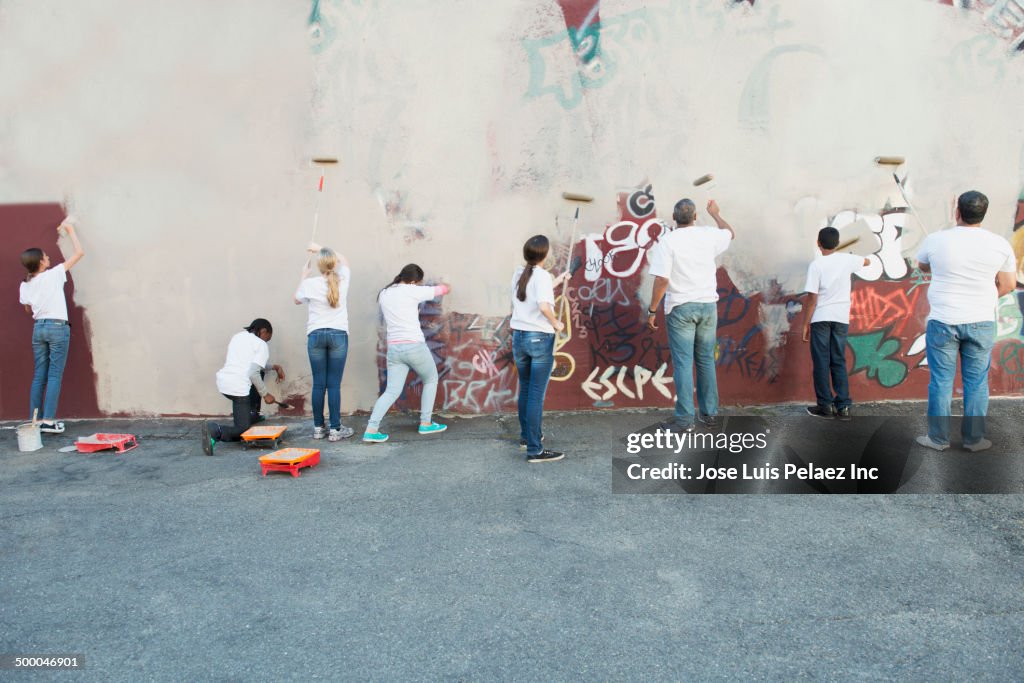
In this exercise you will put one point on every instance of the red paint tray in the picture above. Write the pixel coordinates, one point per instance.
(103, 442)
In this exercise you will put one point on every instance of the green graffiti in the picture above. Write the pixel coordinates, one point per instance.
(872, 353)
(1008, 318)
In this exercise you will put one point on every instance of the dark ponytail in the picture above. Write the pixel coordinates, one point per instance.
(31, 259)
(410, 274)
(534, 251)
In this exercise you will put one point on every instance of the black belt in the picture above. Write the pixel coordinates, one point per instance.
(53, 320)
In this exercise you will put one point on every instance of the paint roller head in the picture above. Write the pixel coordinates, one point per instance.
(577, 197)
(890, 161)
(704, 179)
(322, 161)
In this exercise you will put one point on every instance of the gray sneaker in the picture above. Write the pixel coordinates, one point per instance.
(342, 432)
(319, 432)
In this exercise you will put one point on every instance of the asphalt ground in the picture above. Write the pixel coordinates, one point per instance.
(449, 557)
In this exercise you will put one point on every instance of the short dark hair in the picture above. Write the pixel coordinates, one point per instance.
(973, 206)
(828, 238)
(260, 324)
(684, 212)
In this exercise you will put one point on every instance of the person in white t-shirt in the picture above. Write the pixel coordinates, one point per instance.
(971, 268)
(684, 269)
(241, 382)
(407, 349)
(827, 322)
(326, 293)
(534, 325)
(42, 295)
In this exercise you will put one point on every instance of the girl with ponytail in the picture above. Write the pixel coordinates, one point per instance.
(534, 326)
(407, 349)
(326, 291)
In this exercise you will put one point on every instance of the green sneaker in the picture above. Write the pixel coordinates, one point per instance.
(374, 437)
(208, 441)
(433, 428)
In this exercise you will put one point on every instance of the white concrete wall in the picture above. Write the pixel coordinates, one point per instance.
(180, 132)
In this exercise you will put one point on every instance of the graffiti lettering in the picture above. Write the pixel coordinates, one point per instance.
(641, 377)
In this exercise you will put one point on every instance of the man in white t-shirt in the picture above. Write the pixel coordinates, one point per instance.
(826, 323)
(971, 269)
(684, 270)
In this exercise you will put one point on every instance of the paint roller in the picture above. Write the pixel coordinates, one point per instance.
(704, 179)
(897, 161)
(323, 163)
(583, 199)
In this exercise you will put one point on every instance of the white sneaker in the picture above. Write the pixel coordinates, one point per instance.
(927, 442)
(979, 445)
(319, 432)
(54, 427)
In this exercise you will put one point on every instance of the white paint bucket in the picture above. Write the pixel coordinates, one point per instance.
(29, 437)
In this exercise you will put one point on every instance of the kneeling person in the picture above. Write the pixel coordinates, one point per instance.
(241, 382)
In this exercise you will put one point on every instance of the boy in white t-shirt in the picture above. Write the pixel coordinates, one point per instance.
(826, 323)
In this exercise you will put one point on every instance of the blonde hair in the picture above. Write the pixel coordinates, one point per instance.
(327, 262)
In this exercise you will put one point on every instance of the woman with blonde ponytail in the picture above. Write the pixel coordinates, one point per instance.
(326, 292)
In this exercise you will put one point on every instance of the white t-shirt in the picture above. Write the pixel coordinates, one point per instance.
(964, 262)
(45, 294)
(540, 289)
(313, 291)
(828, 276)
(400, 305)
(686, 256)
(244, 349)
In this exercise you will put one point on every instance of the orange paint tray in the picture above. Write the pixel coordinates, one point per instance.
(264, 433)
(289, 460)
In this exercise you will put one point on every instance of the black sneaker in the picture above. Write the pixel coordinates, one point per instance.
(710, 421)
(55, 427)
(844, 414)
(819, 411)
(546, 456)
(208, 439)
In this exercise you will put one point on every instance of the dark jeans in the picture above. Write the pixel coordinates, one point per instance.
(828, 353)
(534, 353)
(242, 409)
(327, 349)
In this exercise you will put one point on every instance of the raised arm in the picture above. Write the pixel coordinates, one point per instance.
(714, 212)
(69, 230)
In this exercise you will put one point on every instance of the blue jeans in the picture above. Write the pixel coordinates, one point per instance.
(534, 353)
(973, 343)
(50, 340)
(691, 339)
(402, 358)
(328, 349)
(828, 354)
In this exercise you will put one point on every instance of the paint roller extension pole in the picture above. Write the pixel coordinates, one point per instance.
(899, 161)
(322, 162)
(574, 197)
